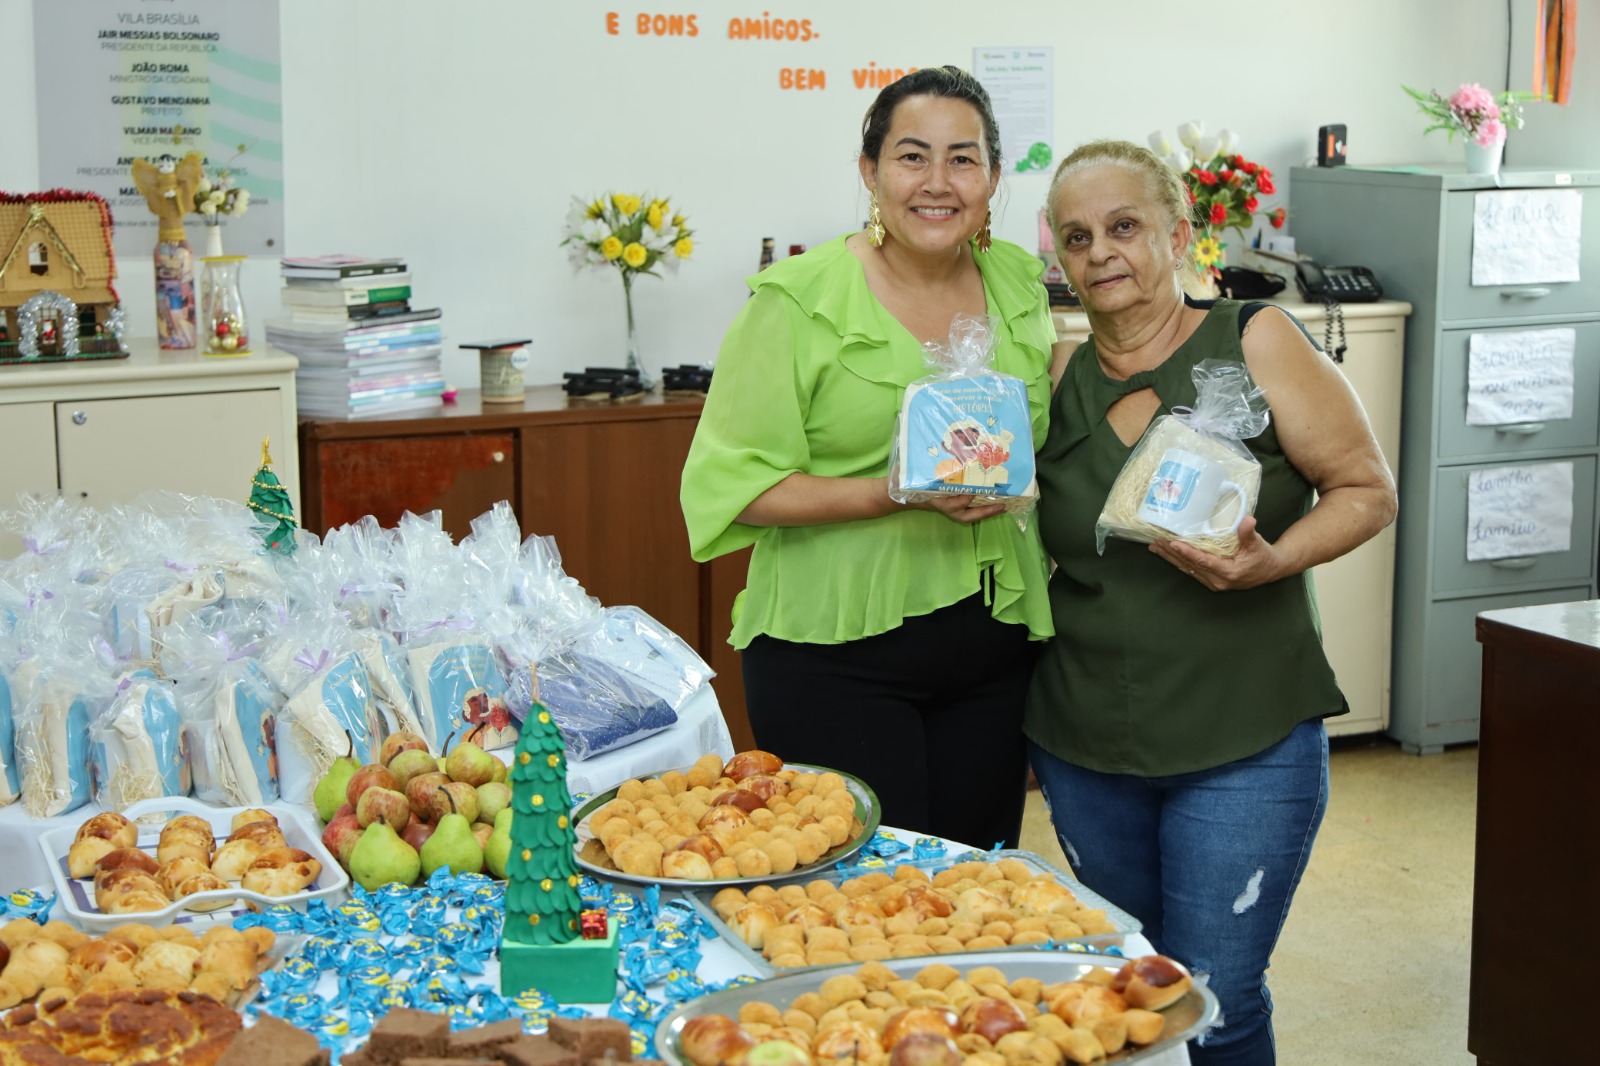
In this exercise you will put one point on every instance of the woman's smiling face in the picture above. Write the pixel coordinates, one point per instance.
(1114, 239)
(933, 179)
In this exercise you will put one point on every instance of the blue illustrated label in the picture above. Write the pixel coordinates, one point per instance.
(255, 705)
(466, 692)
(969, 435)
(8, 754)
(347, 694)
(159, 720)
(1172, 487)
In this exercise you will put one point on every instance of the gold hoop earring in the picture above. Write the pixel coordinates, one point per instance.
(984, 237)
(875, 230)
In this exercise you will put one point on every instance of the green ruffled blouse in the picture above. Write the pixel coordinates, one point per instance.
(810, 378)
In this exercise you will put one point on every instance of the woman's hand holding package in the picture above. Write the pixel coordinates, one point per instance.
(1257, 562)
(963, 509)
(1324, 432)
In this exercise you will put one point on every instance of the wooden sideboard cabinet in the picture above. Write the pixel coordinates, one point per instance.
(106, 430)
(1355, 592)
(1537, 809)
(602, 480)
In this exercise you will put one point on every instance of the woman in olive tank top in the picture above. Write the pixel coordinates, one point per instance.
(1175, 720)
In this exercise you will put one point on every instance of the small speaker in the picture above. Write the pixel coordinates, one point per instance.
(1331, 146)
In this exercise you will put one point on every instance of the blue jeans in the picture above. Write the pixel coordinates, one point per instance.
(1208, 861)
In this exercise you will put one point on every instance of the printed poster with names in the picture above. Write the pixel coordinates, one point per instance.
(1021, 87)
(1526, 236)
(1515, 511)
(124, 79)
(1520, 376)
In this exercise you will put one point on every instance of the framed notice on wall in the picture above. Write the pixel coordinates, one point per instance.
(1021, 86)
(120, 80)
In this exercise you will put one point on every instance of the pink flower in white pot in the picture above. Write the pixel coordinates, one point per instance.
(1491, 133)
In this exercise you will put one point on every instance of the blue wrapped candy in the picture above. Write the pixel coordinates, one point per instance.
(26, 903)
(928, 848)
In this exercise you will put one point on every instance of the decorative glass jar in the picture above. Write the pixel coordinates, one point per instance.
(223, 326)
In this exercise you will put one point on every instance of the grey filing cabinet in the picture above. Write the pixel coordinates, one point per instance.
(1414, 228)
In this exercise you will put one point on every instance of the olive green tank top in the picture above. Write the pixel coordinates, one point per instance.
(1150, 673)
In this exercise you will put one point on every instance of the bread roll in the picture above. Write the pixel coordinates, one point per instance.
(85, 853)
(234, 858)
(280, 872)
(109, 826)
(254, 814)
(1152, 982)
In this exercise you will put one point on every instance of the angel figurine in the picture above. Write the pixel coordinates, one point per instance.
(169, 186)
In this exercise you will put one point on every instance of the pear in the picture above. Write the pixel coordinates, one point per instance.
(380, 856)
(330, 791)
(452, 844)
(470, 764)
(497, 852)
(492, 799)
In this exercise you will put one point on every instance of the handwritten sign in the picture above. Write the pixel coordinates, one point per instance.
(1521, 376)
(1526, 236)
(1519, 510)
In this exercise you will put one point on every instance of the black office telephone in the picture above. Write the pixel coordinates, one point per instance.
(1341, 284)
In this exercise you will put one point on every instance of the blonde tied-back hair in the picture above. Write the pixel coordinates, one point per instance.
(1166, 187)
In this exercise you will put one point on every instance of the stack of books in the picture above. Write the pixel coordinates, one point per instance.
(364, 350)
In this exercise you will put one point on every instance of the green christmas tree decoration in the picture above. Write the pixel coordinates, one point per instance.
(542, 900)
(541, 945)
(270, 500)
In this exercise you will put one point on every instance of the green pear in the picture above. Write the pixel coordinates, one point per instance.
(493, 797)
(502, 772)
(380, 856)
(330, 791)
(497, 852)
(452, 845)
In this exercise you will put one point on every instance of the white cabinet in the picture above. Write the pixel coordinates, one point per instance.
(1355, 593)
(106, 430)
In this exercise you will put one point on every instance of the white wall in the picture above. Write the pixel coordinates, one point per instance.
(455, 133)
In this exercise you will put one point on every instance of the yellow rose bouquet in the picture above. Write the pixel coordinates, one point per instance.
(634, 235)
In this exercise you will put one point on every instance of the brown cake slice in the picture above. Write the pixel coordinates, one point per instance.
(406, 1033)
(429, 1060)
(273, 1042)
(485, 1039)
(593, 1038)
(536, 1051)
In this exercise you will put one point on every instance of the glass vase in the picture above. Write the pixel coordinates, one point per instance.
(175, 299)
(633, 362)
(223, 324)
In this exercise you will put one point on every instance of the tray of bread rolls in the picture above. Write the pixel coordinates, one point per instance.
(173, 858)
(1005, 900)
(1024, 1008)
(754, 818)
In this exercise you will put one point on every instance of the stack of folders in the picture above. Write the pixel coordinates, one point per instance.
(364, 351)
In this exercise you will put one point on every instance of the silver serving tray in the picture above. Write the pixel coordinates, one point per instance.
(1124, 922)
(867, 813)
(1186, 1019)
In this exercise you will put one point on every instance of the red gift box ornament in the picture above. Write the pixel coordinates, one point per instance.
(592, 924)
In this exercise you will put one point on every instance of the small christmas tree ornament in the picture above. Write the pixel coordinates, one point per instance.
(270, 500)
(548, 942)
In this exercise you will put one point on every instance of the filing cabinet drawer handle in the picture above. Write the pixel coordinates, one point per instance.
(1521, 429)
(1521, 562)
(1531, 292)
(79, 418)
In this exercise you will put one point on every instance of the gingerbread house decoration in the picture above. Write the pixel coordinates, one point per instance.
(56, 269)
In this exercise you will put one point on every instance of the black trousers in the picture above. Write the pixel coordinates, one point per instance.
(929, 715)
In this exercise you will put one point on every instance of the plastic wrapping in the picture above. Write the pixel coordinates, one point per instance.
(1190, 478)
(329, 710)
(229, 706)
(596, 705)
(61, 694)
(10, 784)
(136, 749)
(965, 428)
(459, 687)
(655, 657)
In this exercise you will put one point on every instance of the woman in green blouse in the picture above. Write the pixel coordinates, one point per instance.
(889, 641)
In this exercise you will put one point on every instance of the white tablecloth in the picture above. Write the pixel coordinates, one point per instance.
(700, 729)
